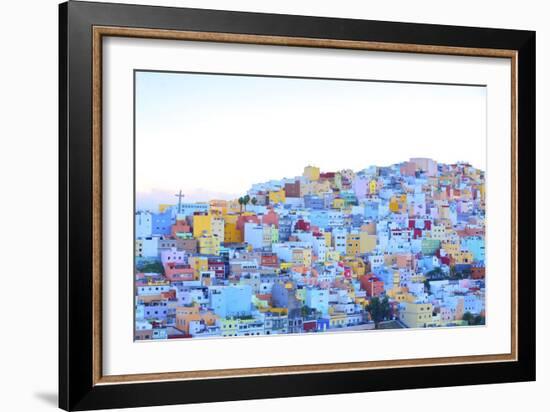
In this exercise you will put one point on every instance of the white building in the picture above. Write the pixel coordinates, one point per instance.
(143, 224)
(376, 261)
(256, 235)
(187, 209)
(173, 255)
(318, 299)
(147, 247)
(339, 237)
(335, 218)
(320, 247)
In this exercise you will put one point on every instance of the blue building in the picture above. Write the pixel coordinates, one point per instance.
(233, 300)
(476, 246)
(319, 218)
(371, 209)
(162, 222)
(285, 228)
(314, 202)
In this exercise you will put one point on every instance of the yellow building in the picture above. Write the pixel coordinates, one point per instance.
(209, 245)
(302, 256)
(373, 187)
(464, 257)
(198, 264)
(202, 225)
(208, 225)
(398, 203)
(400, 294)
(163, 207)
(417, 315)
(285, 265)
(367, 242)
(353, 244)
(231, 233)
(451, 248)
(328, 239)
(394, 205)
(312, 173)
(337, 320)
(338, 203)
(278, 196)
(357, 265)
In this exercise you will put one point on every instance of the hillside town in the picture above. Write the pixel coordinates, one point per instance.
(391, 247)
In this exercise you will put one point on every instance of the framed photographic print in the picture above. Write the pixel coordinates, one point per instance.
(257, 205)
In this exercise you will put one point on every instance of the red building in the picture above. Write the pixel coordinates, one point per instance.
(177, 272)
(423, 224)
(217, 266)
(478, 272)
(180, 226)
(372, 285)
(292, 189)
(241, 220)
(271, 218)
(269, 260)
(302, 225)
(309, 325)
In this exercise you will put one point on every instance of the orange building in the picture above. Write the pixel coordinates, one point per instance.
(187, 314)
(372, 285)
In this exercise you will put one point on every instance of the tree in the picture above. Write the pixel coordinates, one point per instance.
(151, 267)
(468, 317)
(427, 287)
(307, 311)
(241, 203)
(246, 200)
(435, 274)
(379, 310)
(479, 320)
(254, 201)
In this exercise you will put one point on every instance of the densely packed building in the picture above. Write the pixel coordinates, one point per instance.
(384, 247)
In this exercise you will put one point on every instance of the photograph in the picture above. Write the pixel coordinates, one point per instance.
(289, 204)
(269, 205)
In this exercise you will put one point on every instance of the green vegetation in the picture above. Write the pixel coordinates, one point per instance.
(379, 310)
(308, 312)
(473, 320)
(436, 274)
(151, 267)
(243, 201)
(427, 287)
(460, 274)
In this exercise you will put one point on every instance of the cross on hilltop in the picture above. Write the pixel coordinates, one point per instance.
(180, 196)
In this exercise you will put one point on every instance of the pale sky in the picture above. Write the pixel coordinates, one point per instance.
(212, 136)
